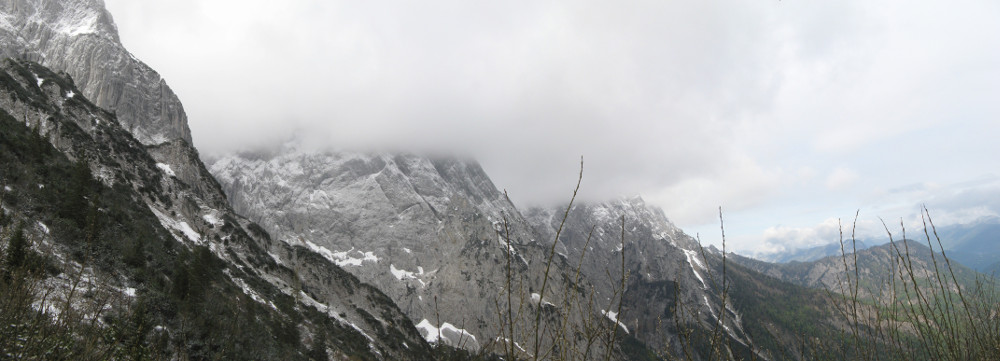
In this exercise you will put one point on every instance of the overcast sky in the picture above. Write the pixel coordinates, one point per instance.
(788, 114)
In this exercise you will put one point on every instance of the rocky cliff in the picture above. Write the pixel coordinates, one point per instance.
(669, 274)
(435, 234)
(80, 38)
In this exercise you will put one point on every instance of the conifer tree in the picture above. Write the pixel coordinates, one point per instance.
(17, 250)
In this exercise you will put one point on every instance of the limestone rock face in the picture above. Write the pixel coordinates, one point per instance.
(665, 267)
(79, 37)
(434, 234)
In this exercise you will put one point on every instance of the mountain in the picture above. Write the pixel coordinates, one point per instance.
(127, 226)
(430, 232)
(79, 37)
(433, 233)
(657, 253)
(676, 287)
(976, 244)
(878, 266)
(146, 193)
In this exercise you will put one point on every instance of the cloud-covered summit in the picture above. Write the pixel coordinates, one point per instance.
(754, 106)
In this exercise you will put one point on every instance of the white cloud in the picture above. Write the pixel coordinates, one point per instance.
(840, 178)
(696, 200)
(783, 238)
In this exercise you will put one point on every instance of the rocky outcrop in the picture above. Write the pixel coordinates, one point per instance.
(79, 37)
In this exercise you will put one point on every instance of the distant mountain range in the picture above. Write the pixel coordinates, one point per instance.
(880, 266)
(975, 245)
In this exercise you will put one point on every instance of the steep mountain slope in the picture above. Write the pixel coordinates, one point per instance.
(79, 37)
(297, 296)
(676, 287)
(430, 232)
(656, 252)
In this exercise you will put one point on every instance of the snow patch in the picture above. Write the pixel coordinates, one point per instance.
(211, 218)
(189, 232)
(402, 275)
(342, 259)
(43, 227)
(70, 94)
(7, 188)
(692, 258)
(613, 316)
(536, 298)
(166, 169)
(448, 333)
(182, 227)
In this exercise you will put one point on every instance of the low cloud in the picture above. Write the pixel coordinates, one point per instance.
(691, 104)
